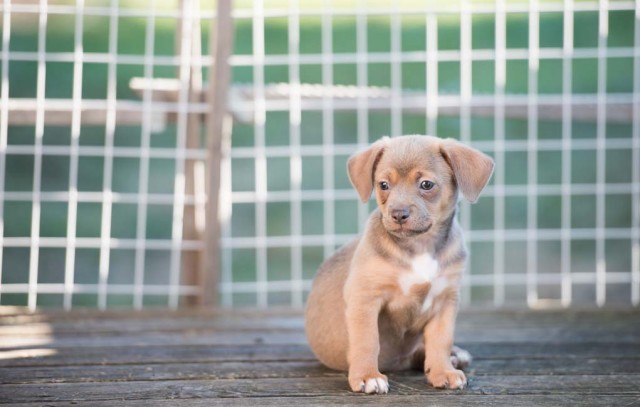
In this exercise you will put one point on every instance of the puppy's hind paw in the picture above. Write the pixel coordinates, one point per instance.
(372, 385)
(460, 358)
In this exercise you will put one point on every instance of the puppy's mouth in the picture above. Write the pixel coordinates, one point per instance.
(404, 231)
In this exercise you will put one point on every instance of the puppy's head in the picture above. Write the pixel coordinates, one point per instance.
(417, 178)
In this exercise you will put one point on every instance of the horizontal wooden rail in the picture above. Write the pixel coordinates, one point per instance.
(619, 108)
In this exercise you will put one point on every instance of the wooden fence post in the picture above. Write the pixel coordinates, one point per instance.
(218, 128)
(192, 260)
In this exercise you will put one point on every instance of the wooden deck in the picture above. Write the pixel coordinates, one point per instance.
(197, 358)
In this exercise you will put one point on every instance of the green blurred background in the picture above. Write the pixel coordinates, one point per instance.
(131, 41)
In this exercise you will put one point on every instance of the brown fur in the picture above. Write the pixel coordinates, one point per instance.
(388, 300)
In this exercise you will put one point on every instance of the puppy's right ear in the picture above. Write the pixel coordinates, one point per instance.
(361, 166)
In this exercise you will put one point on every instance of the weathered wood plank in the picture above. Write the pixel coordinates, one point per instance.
(431, 399)
(555, 366)
(276, 329)
(158, 354)
(296, 369)
(205, 336)
(172, 371)
(88, 327)
(216, 336)
(312, 387)
(472, 327)
(583, 384)
(292, 352)
(186, 338)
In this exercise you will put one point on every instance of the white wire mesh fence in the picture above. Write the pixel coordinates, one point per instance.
(92, 213)
(531, 83)
(93, 180)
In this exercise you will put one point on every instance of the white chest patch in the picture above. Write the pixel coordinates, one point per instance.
(424, 269)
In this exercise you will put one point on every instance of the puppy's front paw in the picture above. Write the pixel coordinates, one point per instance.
(447, 379)
(376, 383)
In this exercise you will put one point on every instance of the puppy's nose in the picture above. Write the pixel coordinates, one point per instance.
(400, 215)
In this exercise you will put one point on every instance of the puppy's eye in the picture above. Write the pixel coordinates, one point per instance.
(384, 185)
(427, 185)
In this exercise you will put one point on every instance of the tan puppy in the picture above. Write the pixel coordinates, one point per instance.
(388, 300)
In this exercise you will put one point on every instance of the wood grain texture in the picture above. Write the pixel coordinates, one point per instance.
(314, 387)
(386, 400)
(218, 135)
(196, 358)
(296, 369)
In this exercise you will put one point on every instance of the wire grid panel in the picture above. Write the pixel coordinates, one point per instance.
(92, 214)
(92, 179)
(549, 89)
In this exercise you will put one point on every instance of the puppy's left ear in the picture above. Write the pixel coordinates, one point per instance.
(361, 166)
(471, 168)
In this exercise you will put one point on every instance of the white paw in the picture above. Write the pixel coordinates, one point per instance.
(370, 383)
(458, 384)
(376, 385)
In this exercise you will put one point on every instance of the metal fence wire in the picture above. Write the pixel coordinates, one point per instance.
(103, 144)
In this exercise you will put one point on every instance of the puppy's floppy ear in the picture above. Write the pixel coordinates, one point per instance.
(360, 168)
(471, 168)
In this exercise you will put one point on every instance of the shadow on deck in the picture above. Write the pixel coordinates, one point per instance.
(193, 358)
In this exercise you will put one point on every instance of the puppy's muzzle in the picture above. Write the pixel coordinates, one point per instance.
(400, 215)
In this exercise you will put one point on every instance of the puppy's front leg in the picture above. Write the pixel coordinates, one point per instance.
(364, 347)
(438, 336)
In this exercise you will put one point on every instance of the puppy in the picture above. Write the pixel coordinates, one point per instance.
(388, 300)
